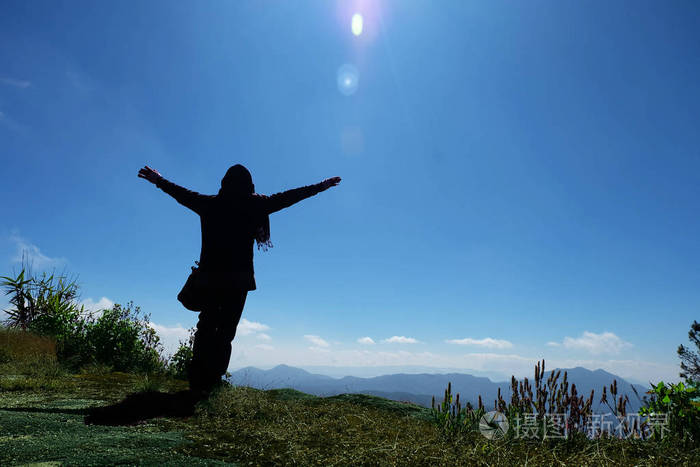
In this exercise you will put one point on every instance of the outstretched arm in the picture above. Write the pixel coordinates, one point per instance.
(285, 199)
(188, 198)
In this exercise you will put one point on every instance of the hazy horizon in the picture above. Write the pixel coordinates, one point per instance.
(338, 372)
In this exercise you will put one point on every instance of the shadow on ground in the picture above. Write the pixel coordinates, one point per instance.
(138, 407)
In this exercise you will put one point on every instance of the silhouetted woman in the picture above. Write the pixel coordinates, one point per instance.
(231, 222)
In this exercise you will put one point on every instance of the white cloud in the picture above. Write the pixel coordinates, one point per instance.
(487, 342)
(263, 337)
(264, 347)
(171, 331)
(553, 344)
(316, 340)
(504, 363)
(170, 336)
(246, 327)
(596, 344)
(18, 83)
(365, 340)
(32, 253)
(103, 303)
(400, 340)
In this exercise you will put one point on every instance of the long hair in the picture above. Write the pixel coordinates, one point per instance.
(237, 184)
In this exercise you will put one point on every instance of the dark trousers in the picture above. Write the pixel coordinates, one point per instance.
(211, 350)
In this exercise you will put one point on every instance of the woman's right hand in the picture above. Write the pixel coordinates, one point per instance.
(329, 182)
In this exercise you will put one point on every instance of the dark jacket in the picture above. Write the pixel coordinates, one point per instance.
(228, 228)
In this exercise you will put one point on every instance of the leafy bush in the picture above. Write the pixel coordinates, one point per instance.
(182, 359)
(675, 409)
(46, 306)
(65, 323)
(34, 297)
(123, 338)
(120, 337)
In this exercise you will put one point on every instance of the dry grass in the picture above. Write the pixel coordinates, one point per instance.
(16, 344)
(285, 427)
(28, 362)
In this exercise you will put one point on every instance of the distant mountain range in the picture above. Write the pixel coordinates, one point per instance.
(371, 371)
(420, 388)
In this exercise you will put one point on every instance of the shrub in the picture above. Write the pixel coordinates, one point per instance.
(121, 337)
(182, 359)
(35, 297)
(46, 306)
(65, 323)
(674, 409)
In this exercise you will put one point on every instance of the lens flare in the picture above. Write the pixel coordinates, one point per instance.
(356, 24)
(348, 78)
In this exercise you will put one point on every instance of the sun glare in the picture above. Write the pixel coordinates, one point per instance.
(357, 24)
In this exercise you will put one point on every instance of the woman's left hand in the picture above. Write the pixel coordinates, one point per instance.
(150, 174)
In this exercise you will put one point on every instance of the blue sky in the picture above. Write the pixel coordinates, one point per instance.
(520, 179)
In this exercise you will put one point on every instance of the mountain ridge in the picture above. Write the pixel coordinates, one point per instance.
(420, 388)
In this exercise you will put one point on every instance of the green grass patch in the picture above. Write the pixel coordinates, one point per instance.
(57, 434)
